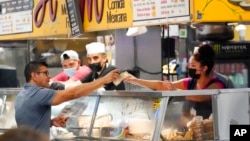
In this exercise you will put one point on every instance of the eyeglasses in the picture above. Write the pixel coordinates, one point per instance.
(44, 72)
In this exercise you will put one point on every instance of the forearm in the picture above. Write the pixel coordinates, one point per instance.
(151, 84)
(86, 88)
(77, 91)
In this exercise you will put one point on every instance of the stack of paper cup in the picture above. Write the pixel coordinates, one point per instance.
(242, 31)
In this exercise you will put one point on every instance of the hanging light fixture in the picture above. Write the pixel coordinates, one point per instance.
(134, 31)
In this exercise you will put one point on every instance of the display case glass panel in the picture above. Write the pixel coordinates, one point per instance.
(133, 117)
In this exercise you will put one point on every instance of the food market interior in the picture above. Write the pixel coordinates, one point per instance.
(151, 40)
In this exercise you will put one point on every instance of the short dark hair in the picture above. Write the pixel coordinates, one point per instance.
(33, 66)
(23, 134)
(205, 55)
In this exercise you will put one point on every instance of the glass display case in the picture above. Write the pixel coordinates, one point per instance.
(7, 110)
(141, 115)
(116, 116)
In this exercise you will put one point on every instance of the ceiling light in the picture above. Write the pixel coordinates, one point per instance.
(134, 31)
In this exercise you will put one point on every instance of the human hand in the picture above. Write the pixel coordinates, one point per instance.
(111, 76)
(184, 119)
(121, 77)
(129, 78)
(59, 121)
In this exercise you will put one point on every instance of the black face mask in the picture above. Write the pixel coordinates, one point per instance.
(192, 73)
(95, 67)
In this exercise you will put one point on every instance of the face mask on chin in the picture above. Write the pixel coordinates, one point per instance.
(192, 73)
(95, 67)
(70, 72)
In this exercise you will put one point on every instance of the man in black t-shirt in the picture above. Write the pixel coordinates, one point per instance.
(97, 60)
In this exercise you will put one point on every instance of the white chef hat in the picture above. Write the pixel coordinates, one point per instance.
(95, 47)
(69, 54)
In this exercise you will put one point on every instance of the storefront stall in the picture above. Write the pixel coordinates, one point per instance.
(137, 115)
(35, 29)
(222, 12)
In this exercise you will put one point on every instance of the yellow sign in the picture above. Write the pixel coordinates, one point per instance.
(114, 14)
(48, 21)
(221, 10)
(107, 14)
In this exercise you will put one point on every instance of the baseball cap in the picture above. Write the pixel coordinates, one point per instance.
(69, 54)
(95, 47)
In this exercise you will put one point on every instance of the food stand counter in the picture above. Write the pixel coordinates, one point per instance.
(142, 115)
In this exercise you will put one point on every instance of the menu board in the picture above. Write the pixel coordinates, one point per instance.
(16, 16)
(160, 11)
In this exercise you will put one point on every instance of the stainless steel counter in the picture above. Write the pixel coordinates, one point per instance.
(230, 106)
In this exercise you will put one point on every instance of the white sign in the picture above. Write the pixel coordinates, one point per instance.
(16, 16)
(17, 22)
(160, 11)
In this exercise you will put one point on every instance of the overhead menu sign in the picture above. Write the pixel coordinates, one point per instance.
(16, 16)
(160, 11)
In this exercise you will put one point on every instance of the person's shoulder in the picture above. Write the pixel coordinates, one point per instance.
(83, 70)
(33, 90)
(219, 80)
(44, 91)
(186, 80)
(30, 87)
(219, 75)
(109, 68)
(84, 67)
(227, 81)
(60, 77)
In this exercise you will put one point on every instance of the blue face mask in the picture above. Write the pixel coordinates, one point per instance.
(70, 72)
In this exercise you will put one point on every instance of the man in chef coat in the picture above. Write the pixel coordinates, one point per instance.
(98, 63)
